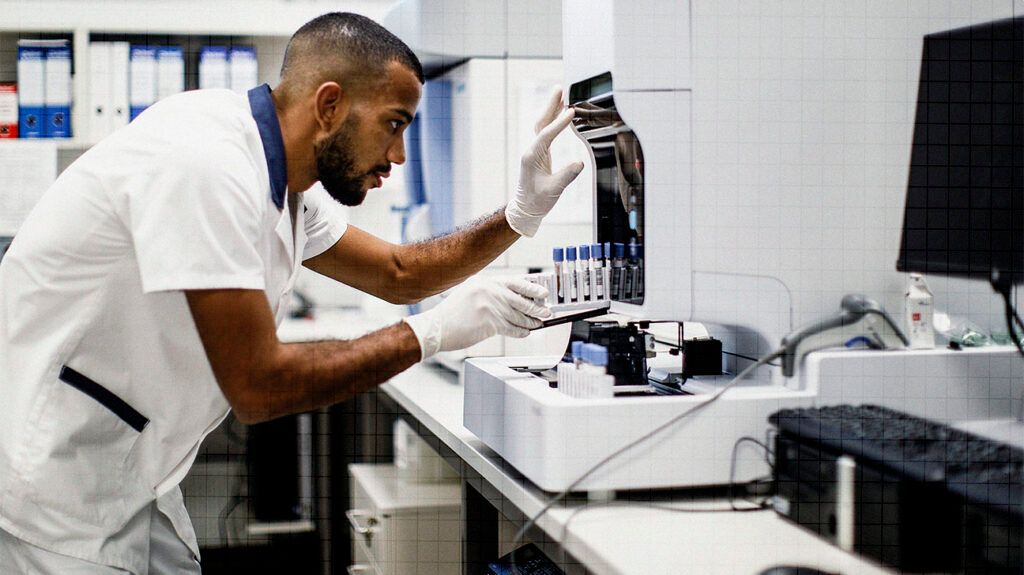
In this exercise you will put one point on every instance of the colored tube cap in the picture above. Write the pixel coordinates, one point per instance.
(634, 252)
(570, 253)
(620, 250)
(584, 252)
(595, 354)
(558, 254)
(577, 349)
(598, 250)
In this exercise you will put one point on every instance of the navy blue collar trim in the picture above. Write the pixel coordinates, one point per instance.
(273, 145)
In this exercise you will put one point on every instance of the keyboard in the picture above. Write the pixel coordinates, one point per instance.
(928, 497)
(982, 470)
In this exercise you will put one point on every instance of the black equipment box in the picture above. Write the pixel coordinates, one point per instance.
(926, 497)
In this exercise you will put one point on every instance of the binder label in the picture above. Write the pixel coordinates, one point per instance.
(8, 111)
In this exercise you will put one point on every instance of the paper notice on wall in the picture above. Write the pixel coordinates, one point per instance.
(27, 169)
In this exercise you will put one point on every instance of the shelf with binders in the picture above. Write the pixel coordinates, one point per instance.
(254, 59)
(36, 70)
(9, 48)
(129, 72)
(264, 25)
(267, 53)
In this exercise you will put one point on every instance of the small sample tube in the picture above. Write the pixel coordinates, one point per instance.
(539, 280)
(633, 269)
(558, 256)
(548, 281)
(552, 284)
(587, 376)
(563, 371)
(594, 372)
(576, 348)
(618, 271)
(597, 275)
(569, 275)
(583, 274)
(577, 359)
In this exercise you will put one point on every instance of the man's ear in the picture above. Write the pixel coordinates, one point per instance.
(331, 106)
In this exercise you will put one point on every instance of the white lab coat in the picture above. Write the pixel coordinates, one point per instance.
(188, 196)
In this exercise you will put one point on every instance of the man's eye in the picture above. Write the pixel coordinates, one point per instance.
(395, 124)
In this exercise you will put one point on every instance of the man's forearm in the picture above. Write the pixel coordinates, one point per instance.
(434, 265)
(306, 376)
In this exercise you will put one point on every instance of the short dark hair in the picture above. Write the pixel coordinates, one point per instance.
(322, 47)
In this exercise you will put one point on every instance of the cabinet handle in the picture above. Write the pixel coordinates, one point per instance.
(354, 515)
(356, 569)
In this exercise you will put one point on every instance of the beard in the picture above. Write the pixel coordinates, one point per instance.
(335, 166)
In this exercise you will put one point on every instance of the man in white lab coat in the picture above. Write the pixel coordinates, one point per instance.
(140, 300)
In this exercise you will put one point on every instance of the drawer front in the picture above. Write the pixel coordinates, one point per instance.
(362, 561)
(371, 529)
(414, 541)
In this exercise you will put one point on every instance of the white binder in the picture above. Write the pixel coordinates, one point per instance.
(119, 70)
(58, 90)
(243, 69)
(213, 67)
(143, 90)
(101, 100)
(31, 68)
(170, 63)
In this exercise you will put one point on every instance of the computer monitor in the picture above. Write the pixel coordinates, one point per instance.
(964, 211)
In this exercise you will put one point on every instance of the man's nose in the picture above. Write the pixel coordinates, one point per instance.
(396, 153)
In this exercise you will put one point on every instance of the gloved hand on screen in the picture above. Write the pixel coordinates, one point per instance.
(538, 188)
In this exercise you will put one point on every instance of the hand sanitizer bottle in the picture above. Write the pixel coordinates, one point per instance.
(919, 314)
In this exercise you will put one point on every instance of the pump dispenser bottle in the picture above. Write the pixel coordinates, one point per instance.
(919, 311)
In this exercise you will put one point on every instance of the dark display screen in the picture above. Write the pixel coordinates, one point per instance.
(965, 195)
(591, 88)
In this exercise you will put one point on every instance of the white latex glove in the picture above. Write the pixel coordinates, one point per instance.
(538, 188)
(476, 310)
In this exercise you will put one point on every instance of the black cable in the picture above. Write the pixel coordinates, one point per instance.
(1012, 311)
(741, 356)
(233, 502)
(681, 341)
(1004, 290)
(671, 422)
(222, 520)
(1011, 315)
(732, 466)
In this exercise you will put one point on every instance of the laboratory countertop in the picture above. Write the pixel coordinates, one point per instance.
(619, 538)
